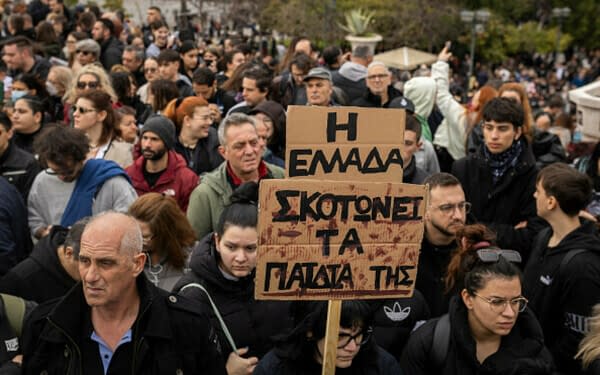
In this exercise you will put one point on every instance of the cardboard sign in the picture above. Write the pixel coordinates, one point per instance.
(344, 143)
(325, 240)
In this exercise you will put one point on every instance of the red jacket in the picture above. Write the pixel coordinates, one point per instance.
(177, 180)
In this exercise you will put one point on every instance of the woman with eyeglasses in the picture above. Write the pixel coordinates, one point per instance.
(89, 77)
(167, 235)
(300, 352)
(488, 329)
(93, 113)
(151, 74)
(222, 281)
(197, 141)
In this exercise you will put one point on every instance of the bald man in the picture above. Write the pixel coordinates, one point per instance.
(115, 321)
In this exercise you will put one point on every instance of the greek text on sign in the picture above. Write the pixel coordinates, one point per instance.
(329, 240)
(344, 143)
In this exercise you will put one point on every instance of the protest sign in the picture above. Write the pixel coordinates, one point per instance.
(329, 240)
(344, 143)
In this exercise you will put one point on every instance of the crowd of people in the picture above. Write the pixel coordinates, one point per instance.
(131, 158)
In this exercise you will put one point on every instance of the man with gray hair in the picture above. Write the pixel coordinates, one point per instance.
(351, 76)
(133, 60)
(241, 149)
(379, 92)
(87, 51)
(115, 321)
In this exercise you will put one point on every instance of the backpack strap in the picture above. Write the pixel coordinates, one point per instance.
(15, 311)
(441, 341)
(216, 312)
(567, 258)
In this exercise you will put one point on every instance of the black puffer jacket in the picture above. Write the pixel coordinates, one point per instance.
(252, 323)
(563, 300)
(522, 351)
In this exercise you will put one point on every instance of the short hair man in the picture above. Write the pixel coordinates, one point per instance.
(87, 51)
(241, 149)
(133, 59)
(112, 48)
(446, 213)
(17, 166)
(380, 91)
(160, 169)
(499, 180)
(51, 269)
(205, 85)
(256, 83)
(72, 187)
(352, 74)
(412, 174)
(168, 68)
(561, 278)
(19, 58)
(319, 87)
(288, 88)
(115, 321)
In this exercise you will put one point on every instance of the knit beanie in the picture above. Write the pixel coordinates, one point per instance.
(163, 127)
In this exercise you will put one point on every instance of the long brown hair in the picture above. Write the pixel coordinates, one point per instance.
(102, 102)
(469, 238)
(171, 231)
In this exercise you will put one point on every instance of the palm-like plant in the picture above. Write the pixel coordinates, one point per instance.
(357, 22)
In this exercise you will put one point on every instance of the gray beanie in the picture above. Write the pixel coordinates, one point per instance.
(163, 127)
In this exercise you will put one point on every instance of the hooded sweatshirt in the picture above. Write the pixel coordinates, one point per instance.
(251, 323)
(563, 299)
(421, 91)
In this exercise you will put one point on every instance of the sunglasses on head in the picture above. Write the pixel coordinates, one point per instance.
(492, 255)
(91, 85)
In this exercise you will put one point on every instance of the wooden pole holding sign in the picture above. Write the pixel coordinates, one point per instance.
(332, 331)
(325, 233)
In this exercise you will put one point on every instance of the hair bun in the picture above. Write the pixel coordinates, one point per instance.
(246, 193)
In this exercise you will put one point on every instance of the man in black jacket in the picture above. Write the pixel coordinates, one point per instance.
(112, 48)
(51, 270)
(380, 91)
(115, 321)
(499, 180)
(16, 165)
(446, 213)
(562, 278)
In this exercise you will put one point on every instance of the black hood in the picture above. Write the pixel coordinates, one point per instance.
(204, 262)
(44, 254)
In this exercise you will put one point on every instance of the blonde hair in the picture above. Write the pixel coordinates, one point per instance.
(98, 72)
(589, 348)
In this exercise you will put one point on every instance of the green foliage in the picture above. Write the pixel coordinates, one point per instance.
(357, 22)
(113, 5)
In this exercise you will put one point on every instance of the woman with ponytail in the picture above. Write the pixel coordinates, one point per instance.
(488, 329)
(222, 281)
(197, 140)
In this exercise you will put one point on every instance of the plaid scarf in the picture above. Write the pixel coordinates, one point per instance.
(500, 163)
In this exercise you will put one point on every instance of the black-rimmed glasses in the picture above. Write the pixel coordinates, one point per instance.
(361, 338)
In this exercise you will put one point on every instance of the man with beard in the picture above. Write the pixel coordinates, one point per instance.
(72, 187)
(160, 169)
(446, 213)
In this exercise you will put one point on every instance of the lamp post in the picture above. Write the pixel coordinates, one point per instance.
(475, 19)
(561, 14)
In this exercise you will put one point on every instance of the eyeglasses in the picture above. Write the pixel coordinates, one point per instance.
(449, 208)
(378, 76)
(498, 305)
(492, 255)
(361, 338)
(83, 111)
(91, 85)
(85, 53)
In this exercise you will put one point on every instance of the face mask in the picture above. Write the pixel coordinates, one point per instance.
(17, 94)
(51, 89)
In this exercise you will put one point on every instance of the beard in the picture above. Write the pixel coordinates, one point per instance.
(450, 229)
(154, 155)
